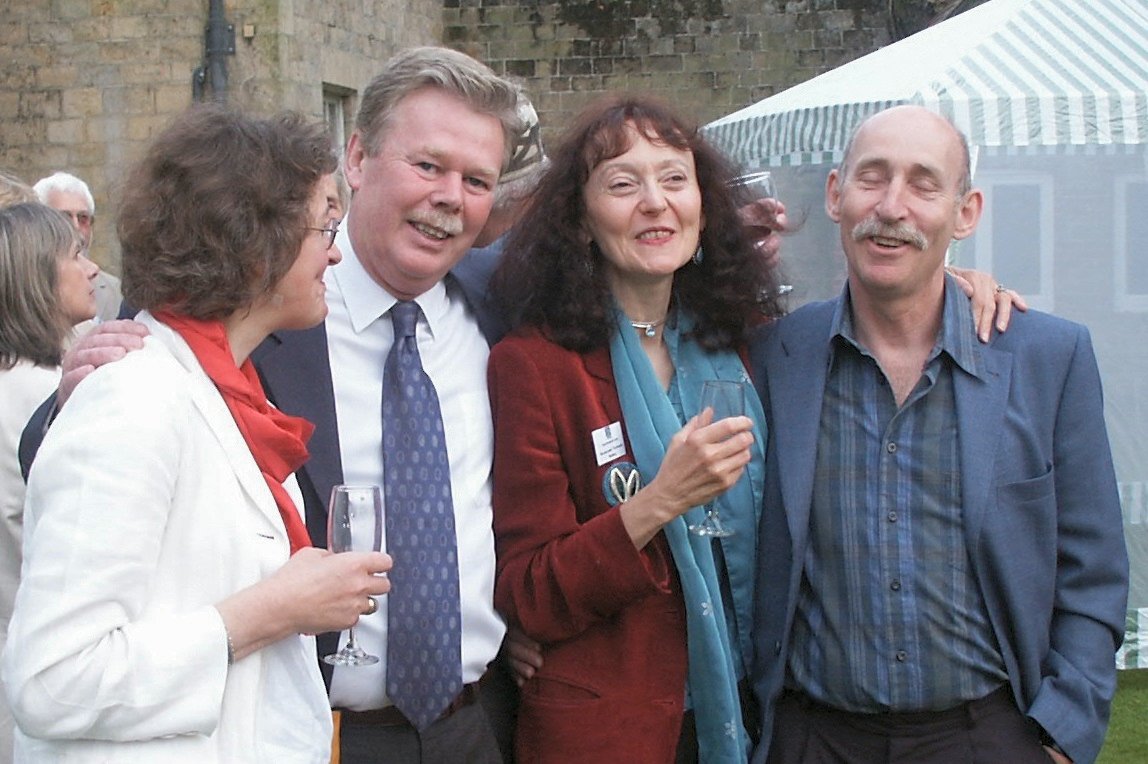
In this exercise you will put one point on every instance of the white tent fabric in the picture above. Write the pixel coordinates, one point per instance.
(1009, 73)
(1053, 96)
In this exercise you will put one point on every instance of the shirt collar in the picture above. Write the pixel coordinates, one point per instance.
(366, 300)
(959, 331)
(957, 337)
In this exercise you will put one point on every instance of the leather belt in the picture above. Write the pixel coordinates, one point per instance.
(391, 716)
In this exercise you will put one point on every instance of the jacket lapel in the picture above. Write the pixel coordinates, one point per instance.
(296, 376)
(599, 366)
(218, 418)
(222, 425)
(472, 275)
(981, 405)
(795, 375)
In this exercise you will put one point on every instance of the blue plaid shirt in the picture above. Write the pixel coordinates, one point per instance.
(889, 615)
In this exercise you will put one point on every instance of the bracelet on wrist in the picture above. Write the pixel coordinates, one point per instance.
(230, 647)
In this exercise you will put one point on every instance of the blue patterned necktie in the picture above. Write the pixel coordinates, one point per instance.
(424, 642)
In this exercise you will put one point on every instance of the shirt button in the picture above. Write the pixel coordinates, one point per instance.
(892, 515)
(902, 656)
(891, 447)
(895, 586)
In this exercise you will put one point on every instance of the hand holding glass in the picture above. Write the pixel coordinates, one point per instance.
(354, 522)
(727, 399)
(749, 189)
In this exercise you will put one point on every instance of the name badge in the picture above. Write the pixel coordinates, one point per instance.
(608, 443)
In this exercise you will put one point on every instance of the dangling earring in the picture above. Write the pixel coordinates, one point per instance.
(698, 255)
(594, 252)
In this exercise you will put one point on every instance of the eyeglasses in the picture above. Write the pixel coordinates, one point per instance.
(329, 231)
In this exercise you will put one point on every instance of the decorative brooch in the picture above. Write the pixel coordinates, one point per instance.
(621, 482)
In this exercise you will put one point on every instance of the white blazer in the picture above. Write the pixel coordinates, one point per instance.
(145, 507)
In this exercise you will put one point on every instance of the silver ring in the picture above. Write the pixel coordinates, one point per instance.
(372, 605)
(1001, 288)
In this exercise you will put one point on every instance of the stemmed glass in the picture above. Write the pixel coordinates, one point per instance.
(751, 188)
(354, 520)
(727, 399)
(754, 185)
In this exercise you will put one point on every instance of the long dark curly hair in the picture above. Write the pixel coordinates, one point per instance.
(552, 279)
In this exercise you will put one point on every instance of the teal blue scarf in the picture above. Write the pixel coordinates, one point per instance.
(650, 423)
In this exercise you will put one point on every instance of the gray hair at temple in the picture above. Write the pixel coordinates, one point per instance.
(444, 69)
(65, 183)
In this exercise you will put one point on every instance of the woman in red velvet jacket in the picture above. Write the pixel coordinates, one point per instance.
(632, 281)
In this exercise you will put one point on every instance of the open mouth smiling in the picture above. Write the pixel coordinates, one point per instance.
(652, 236)
(431, 231)
(882, 241)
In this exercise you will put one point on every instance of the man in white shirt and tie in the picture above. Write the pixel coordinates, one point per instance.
(431, 140)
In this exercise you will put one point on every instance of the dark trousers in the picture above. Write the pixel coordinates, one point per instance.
(480, 733)
(985, 731)
(687, 752)
(464, 736)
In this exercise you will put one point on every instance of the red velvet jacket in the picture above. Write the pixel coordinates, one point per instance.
(611, 618)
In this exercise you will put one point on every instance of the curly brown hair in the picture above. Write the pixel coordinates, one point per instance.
(552, 279)
(215, 213)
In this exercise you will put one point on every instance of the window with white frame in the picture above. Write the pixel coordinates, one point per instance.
(337, 112)
(1014, 240)
(1131, 269)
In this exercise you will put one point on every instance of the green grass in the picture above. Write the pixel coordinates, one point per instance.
(1127, 742)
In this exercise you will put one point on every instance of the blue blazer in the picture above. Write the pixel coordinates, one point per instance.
(1041, 512)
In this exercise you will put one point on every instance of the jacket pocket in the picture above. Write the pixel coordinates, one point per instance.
(1037, 489)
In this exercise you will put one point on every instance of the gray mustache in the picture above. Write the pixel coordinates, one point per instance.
(871, 226)
(451, 224)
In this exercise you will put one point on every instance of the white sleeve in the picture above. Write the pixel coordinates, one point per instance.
(90, 654)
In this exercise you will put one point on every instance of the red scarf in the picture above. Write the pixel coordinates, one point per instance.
(277, 441)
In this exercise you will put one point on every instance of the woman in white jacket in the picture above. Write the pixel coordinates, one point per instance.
(169, 584)
(45, 290)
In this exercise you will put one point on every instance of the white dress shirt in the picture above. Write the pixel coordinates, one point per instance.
(454, 354)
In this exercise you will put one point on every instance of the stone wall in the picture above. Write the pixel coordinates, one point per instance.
(710, 57)
(84, 84)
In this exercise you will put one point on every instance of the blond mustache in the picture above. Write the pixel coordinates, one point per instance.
(448, 224)
(872, 227)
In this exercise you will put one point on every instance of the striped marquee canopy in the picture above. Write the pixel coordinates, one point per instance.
(1010, 73)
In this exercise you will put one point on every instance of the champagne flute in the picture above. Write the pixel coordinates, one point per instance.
(726, 398)
(354, 521)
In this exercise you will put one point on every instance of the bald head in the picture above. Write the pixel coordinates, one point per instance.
(910, 118)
